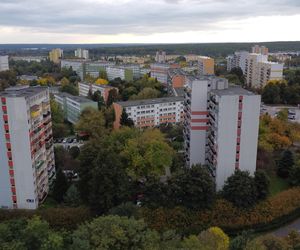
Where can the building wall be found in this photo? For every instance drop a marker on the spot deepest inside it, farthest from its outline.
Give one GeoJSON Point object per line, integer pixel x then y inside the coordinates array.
{"type": "Point", "coordinates": [206, 66]}
{"type": "Point", "coordinates": [178, 81]}
{"type": "Point", "coordinates": [4, 63]}
{"type": "Point", "coordinates": [118, 112]}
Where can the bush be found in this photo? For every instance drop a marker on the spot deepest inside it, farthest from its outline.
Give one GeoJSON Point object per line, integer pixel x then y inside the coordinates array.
{"type": "Point", "coordinates": [266, 215]}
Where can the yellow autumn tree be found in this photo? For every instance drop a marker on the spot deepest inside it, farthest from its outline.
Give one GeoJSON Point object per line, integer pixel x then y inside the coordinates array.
{"type": "Point", "coordinates": [101, 81]}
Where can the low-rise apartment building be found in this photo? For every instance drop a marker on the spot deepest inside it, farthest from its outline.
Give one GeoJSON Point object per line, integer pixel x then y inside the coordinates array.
{"type": "Point", "coordinates": [206, 65]}
{"type": "Point", "coordinates": [72, 106]}
{"type": "Point", "coordinates": [88, 88]}
{"type": "Point", "coordinates": [150, 112]}
{"type": "Point", "coordinates": [159, 71]}
{"type": "Point", "coordinates": [27, 166]}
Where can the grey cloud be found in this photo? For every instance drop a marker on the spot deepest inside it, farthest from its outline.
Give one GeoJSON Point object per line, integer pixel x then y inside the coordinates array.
{"type": "Point", "coordinates": [134, 16]}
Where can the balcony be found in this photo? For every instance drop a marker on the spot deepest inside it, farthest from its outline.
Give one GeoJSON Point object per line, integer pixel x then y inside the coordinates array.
{"type": "Point", "coordinates": [39, 164]}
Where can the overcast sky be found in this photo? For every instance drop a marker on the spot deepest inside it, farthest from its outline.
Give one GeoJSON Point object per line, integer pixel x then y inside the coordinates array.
{"type": "Point", "coordinates": [148, 21]}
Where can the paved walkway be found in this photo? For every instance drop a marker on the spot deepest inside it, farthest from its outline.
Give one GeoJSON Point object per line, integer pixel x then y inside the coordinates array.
{"type": "Point", "coordinates": [283, 231]}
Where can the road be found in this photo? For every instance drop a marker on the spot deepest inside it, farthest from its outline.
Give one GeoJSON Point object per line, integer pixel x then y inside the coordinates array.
{"type": "Point", "coordinates": [283, 231]}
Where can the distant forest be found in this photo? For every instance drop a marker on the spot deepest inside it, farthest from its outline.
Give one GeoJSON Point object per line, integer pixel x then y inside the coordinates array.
{"type": "Point", "coordinates": [96, 50]}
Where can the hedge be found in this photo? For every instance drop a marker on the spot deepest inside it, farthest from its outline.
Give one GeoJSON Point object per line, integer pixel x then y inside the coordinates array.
{"type": "Point", "coordinates": [58, 218]}
{"type": "Point", "coordinates": [267, 215]}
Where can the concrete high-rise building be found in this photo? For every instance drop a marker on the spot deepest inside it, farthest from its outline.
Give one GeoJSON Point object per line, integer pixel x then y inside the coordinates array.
{"type": "Point", "coordinates": [238, 60]}
{"type": "Point", "coordinates": [27, 165]}
{"type": "Point", "coordinates": [233, 132]}
{"type": "Point", "coordinates": [122, 72]}
{"type": "Point", "coordinates": [4, 63]}
{"type": "Point", "coordinates": [259, 70]}
{"type": "Point", "coordinates": [260, 50]}
{"type": "Point", "coordinates": [82, 53]}
{"type": "Point", "coordinates": [55, 55]}
{"type": "Point", "coordinates": [160, 56]}
{"type": "Point", "coordinates": [197, 116]}
{"type": "Point", "coordinates": [219, 122]}
{"type": "Point", "coordinates": [206, 65]}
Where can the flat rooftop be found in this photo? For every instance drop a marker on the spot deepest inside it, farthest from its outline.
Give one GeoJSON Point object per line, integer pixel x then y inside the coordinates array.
{"type": "Point", "coordinates": [232, 90]}
{"type": "Point", "coordinates": [22, 91]}
{"type": "Point", "coordinates": [79, 99]}
{"type": "Point", "coordinates": [151, 101]}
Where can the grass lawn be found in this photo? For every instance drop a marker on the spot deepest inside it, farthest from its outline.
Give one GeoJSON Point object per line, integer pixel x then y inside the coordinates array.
{"type": "Point", "coordinates": [277, 185]}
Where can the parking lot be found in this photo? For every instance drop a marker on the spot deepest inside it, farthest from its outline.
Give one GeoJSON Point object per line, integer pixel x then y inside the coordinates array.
{"type": "Point", "coordinates": [68, 142]}
{"type": "Point", "coordinates": [273, 110]}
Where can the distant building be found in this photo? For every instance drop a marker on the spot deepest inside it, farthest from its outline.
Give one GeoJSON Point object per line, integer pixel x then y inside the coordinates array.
{"type": "Point", "coordinates": [206, 65]}
{"type": "Point", "coordinates": [55, 55]}
{"type": "Point", "coordinates": [28, 78]}
{"type": "Point", "coordinates": [160, 56]}
{"type": "Point", "coordinates": [29, 58]}
{"type": "Point", "coordinates": [72, 106]}
{"type": "Point", "coordinates": [159, 71]}
{"type": "Point", "coordinates": [77, 65]}
{"type": "Point", "coordinates": [176, 78]}
{"type": "Point", "coordinates": [4, 63]}
{"type": "Point", "coordinates": [127, 73]}
{"type": "Point", "coordinates": [259, 70]}
{"type": "Point", "coordinates": [27, 167]}
{"type": "Point", "coordinates": [82, 53]}
{"type": "Point", "coordinates": [260, 50]}
{"type": "Point", "coordinates": [150, 112]}
{"type": "Point", "coordinates": [86, 88]}
{"type": "Point", "coordinates": [238, 60]}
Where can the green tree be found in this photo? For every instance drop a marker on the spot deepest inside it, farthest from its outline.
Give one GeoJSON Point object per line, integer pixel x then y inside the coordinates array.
{"type": "Point", "coordinates": [262, 183]}
{"type": "Point", "coordinates": [97, 97]}
{"type": "Point", "coordinates": [285, 164]}
{"type": "Point", "coordinates": [295, 176]}
{"type": "Point", "coordinates": [125, 120]}
{"type": "Point", "coordinates": [148, 154]}
{"type": "Point", "coordinates": [74, 152]}
{"type": "Point", "coordinates": [268, 242]}
{"type": "Point", "coordinates": [69, 88]}
{"type": "Point", "coordinates": [91, 122]}
{"type": "Point", "coordinates": [240, 189]}
{"type": "Point", "coordinates": [271, 94]}
{"type": "Point", "coordinates": [114, 232]}
{"type": "Point", "coordinates": [72, 196]}
{"type": "Point", "coordinates": [60, 186]}
{"type": "Point", "coordinates": [192, 188]}
{"type": "Point", "coordinates": [112, 97]}
{"type": "Point", "coordinates": [103, 74]}
{"type": "Point", "coordinates": [146, 93]}
{"type": "Point", "coordinates": [240, 241]}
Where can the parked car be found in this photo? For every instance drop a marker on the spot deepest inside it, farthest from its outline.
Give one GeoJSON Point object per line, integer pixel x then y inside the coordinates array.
{"type": "Point", "coordinates": [64, 140]}
{"type": "Point", "coordinates": [69, 140]}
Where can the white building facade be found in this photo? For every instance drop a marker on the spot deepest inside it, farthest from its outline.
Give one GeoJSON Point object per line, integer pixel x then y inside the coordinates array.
{"type": "Point", "coordinates": [82, 53]}
{"type": "Point", "coordinates": [27, 165]}
{"type": "Point", "coordinates": [4, 63]}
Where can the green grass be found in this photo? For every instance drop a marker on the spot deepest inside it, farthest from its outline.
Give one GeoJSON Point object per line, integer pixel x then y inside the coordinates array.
{"type": "Point", "coordinates": [277, 185]}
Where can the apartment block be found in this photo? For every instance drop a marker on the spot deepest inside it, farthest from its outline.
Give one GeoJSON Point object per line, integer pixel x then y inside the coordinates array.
{"type": "Point", "coordinates": [197, 116]}
{"type": "Point", "coordinates": [160, 57]}
{"type": "Point", "coordinates": [232, 134]}
{"type": "Point", "coordinates": [259, 70]}
{"type": "Point", "coordinates": [94, 68]}
{"type": "Point", "coordinates": [159, 71]}
{"type": "Point", "coordinates": [77, 65]}
{"type": "Point", "coordinates": [55, 55]}
{"type": "Point", "coordinates": [176, 78]}
{"type": "Point", "coordinates": [206, 65]}
{"type": "Point", "coordinates": [125, 73]}
{"type": "Point", "coordinates": [82, 53]}
{"type": "Point", "coordinates": [86, 88]}
{"type": "Point", "coordinates": [260, 50]}
{"type": "Point", "coordinates": [4, 63]}
{"type": "Point", "coordinates": [72, 106]}
{"type": "Point", "coordinates": [151, 112]}
{"type": "Point", "coordinates": [238, 60]}
{"type": "Point", "coordinates": [27, 166]}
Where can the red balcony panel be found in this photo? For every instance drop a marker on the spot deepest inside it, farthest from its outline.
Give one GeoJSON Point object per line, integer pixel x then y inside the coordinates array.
{"type": "Point", "coordinates": [199, 112]}
{"type": "Point", "coordinates": [10, 163]}
{"type": "Point", "coordinates": [239, 123]}
{"type": "Point", "coordinates": [14, 198]}
{"type": "Point", "coordinates": [239, 132]}
{"type": "Point", "coordinates": [241, 97]}
{"type": "Point", "coordinates": [3, 100]}
{"type": "Point", "coordinates": [240, 114]}
{"type": "Point", "coordinates": [237, 166]}
{"type": "Point", "coordinates": [7, 136]}
{"type": "Point", "coordinates": [200, 120]}
{"type": "Point", "coordinates": [238, 140]}
{"type": "Point", "coordinates": [6, 127]}
{"type": "Point", "coordinates": [4, 108]}
{"type": "Point", "coordinates": [11, 172]}
{"type": "Point", "coordinates": [9, 154]}
{"type": "Point", "coordinates": [237, 156]}
{"type": "Point", "coordinates": [8, 146]}
{"type": "Point", "coordinates": [238, 148]}
{"type": "Point", "coordinates": [13, 190]}
{"type": "Point", "coordinates": [203, 128]}
{"type": "Point", "coordinates": [240, 106]}
{"type": "Point", "coordinates": [5, 118]}
{"type": "Point", "coordinates": [12, 181]}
